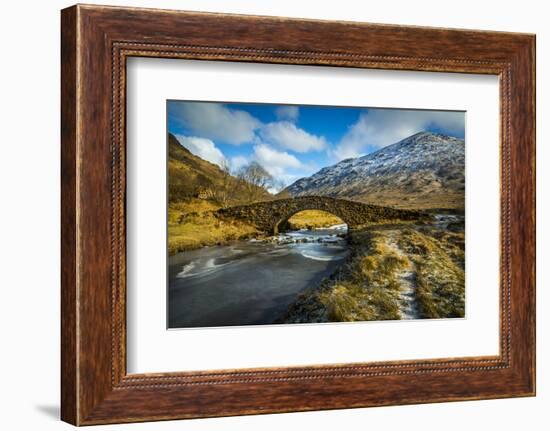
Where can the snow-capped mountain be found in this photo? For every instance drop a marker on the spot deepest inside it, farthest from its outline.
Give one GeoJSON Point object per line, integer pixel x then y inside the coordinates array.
{"type": "Point", "coordinates": [423, 170]}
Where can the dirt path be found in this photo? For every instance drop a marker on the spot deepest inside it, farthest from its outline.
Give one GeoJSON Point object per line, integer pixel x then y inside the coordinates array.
{"type": "Point", "coordinates": [407, 278]}
{"type": "Point", "coordinates": [410, 309]}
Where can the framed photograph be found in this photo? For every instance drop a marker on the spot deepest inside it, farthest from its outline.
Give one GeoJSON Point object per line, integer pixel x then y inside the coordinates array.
{"type": "Point", "coordinates": [265, 215]}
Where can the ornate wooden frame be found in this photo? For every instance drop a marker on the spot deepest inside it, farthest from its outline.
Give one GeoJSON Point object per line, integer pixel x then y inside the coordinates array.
{"type": "Point", "coordinates": [96, 41]}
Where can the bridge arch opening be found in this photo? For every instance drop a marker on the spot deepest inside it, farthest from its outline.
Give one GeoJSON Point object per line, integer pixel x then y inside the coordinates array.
{"type": "Point", "coordinates": [309, 219]}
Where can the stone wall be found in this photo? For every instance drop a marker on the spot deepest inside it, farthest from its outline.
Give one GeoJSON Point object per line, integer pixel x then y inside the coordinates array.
{"type": "Point", "coordinates": [269, 215]}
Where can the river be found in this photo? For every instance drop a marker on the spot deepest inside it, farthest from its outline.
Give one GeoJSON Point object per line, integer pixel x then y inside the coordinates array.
{"type": "Point", "coordinates": [250, 282]}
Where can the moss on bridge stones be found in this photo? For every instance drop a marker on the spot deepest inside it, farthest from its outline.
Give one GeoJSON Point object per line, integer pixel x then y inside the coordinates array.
{"type": "Point", "coordinates": [269, 215]}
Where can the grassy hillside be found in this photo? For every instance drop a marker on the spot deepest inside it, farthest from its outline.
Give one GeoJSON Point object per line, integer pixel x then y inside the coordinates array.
{"type": "Point", "coordinates": [189, 176]}
{"type": "Point", "coordinates": [193, 224]}
{"type": "Point", "coordinates": [187, 173]}
{"type": "Point", "coordinates": [196, 189]}
{"type": "Point", "coordinates": [415, 201]}
{"type": "Point", "coordinates": [311, 219]}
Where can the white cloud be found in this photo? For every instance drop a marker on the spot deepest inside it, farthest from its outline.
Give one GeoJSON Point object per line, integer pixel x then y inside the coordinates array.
{"type": "Point", "coordinates": [380, 127]}
{"type": "Point", "coordinates": [215, 121]}
{"type": "Point", "coordinates": [203, 148]}
{"type": "Point", "coordinates": [285, 134]}
{"type": "Point", "coordinates": [284, 167]}
{"type": "Point", "coordinates": [275, 162]}
{"type": "Point", "coordinates": [287, 112]}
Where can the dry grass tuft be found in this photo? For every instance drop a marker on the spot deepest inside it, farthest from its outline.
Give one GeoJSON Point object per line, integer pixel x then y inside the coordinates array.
{"type": "Point", "coordinates": [311, 219]}
{"type": "Point", "coordinates": [440, 279]}
{"type": "Point", "coordinates": [192, 224]}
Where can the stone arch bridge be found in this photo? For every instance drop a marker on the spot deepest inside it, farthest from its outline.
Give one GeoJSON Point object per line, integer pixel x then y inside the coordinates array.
{"type": "Point", "coordinates": [270, 216]}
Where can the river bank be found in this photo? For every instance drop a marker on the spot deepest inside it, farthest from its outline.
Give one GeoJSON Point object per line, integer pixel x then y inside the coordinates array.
{"type": "Point", "coordinates": [393, 272]}
{"type": "Point", "coordinates": [194, 224]}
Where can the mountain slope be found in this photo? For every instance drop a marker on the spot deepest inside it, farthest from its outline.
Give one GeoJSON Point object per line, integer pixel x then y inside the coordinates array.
{"type": "Point", "coordinates": [187, 173]}
{"type": "Point", "coordinates": [189, 176]}
{"type": "Point", "coordinates": [425, 170]}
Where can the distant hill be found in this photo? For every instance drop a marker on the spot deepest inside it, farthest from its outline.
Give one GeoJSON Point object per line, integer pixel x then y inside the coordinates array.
{"type": "Point", "coordinates": [192, 177]}
{"type": "Point", "coordinates": [425, 170]}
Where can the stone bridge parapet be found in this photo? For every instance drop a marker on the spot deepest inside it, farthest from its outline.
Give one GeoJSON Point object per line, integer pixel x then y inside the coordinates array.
{"type": "Point", "coordinates": [269, 216]}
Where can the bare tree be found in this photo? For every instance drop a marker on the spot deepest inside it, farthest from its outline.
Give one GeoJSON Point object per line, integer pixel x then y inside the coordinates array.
{"type": "Point", "coordinates": [223, 194]}
{"type": "Point", "coordinates": [256, 180]}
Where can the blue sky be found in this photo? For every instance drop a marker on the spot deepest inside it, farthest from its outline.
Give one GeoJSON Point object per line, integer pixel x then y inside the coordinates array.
{"type": "Point", "coordinates": [291, 141]}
